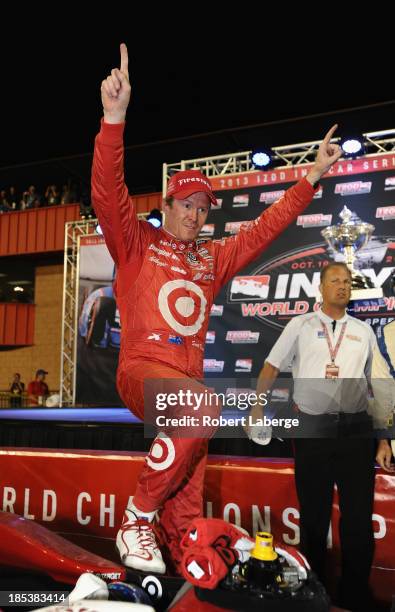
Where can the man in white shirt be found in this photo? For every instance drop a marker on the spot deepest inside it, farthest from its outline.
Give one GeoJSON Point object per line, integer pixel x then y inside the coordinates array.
{"type": "Point", "coordinates": [331, 355]}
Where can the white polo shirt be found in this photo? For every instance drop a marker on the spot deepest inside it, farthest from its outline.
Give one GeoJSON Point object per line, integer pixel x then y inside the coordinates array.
{"type": "Point", "coordinates": [303, 346]}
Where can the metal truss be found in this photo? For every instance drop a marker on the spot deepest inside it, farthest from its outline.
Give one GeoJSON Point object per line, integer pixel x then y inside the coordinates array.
{"type": "Point", "coordinates": [68, 364]}
{"type": "Point", "coordinates": [73, 231]}
{"type": "Point", "coordinates": [376, 143]}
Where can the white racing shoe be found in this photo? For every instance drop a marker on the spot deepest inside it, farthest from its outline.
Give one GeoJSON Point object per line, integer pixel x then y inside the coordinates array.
{"type": "Point", "coordinates": [136, 543]}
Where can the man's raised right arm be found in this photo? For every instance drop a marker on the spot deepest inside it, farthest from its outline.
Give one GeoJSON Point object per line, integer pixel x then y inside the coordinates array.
{"type": "Point", "coordinates": [110, 197]}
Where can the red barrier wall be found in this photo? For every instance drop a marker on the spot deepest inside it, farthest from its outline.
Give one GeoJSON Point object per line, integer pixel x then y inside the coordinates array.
{"type": "Point", "coordinates": [82, 494]}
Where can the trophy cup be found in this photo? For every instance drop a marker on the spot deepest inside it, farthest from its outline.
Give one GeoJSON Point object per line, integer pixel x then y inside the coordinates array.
{"type": "Point", "coordinates": [346, 238]}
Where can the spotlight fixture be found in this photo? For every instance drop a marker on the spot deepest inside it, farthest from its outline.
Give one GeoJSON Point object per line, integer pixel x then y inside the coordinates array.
{"type": "Point", "coordinates": [155, 218]}
{"type": "Point", "coordinates": [352, 146]}
{"type": "Point", "coordinates": [262, 158]}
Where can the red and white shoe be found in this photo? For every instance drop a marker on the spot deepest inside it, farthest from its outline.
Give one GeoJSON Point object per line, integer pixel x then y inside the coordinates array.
{"type": "Point", "coordinates": [137, 546]}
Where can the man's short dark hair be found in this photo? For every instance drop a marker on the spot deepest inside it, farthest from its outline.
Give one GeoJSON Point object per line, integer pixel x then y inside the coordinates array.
{"type": "Point", "coordinates": [334, 264]}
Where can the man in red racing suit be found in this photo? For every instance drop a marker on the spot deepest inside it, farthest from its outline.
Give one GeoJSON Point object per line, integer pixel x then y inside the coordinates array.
{"type": "Point", "coordinates": [165, 285]}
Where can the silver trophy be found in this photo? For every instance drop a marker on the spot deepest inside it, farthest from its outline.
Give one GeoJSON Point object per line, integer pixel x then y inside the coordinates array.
{"type": "Point", "coordinates": [346, 238]}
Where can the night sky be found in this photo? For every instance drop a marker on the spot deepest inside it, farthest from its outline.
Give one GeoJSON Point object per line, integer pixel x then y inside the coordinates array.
{"type": "Point", "coordinates": [195, 81]}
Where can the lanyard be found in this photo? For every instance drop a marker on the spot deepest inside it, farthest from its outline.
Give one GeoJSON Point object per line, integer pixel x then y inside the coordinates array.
{"type": "Point", "coordinates": [334, 351]}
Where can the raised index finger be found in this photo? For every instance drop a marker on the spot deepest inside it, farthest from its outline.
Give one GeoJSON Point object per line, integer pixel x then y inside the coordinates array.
{"type": "Point", "coordinates": [124, 59]}
{"type": "Point", "coordinates": [329, 134]}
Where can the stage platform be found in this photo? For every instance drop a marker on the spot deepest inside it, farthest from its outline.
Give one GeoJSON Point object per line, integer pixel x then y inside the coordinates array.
{"type": "Point", "coordinates": [107, 428]}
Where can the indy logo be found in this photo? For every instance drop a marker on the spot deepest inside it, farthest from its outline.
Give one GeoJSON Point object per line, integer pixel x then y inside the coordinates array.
{"type": "Point", "coordinates": [389, 183]}
{"type": "Point", "coordinates": [210, 337]}
{"type": "Point", "coordinates": [233, 227]}
{"type": "Point", "coordinates": [243, 365]}
{"type": "Point", "coordinates": [316, 220]}
{"type": "Point", "coordinates": [268, 197]}
{"type": "Point", "coordinates": [207, 230]}
{"type": "Point", "coordinates": [386, 213]}
{"type": "Point", "coordinates": [243, 287]}
{"type": "Point", "coordinates": [353, 188]}
{"type": "Point", "coordinates": [217, 310]}
{"type": "Point", "coordinates": [240, 200]}
{"type": "Point", "coordinates": [212, 365]}
{"type": "Point", "coordinates": [242, 337]}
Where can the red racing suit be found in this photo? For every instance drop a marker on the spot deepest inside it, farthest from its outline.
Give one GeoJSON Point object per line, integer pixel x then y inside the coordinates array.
{"type": "Point", "coordinates": [165, 289]}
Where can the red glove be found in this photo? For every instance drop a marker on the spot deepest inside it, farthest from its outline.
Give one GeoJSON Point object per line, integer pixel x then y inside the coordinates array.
{"type": "Point", "coordinates": [216, 532]}
{"type": "Point", "coordinates": [205, 566]}
{"type": "Point", "coordinates": [211, 548]}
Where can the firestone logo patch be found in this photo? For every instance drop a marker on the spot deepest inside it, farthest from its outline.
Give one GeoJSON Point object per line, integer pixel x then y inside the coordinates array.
{"type": "Point", "coordinates": [194, 179]}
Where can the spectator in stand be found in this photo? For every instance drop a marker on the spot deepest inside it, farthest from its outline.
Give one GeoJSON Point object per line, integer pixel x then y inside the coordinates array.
{"type": "Point", "coordinates": [4, 204]}
{"type": "Point", "coordinates": [13, 198]}
{"type": "Point", "coordinates": [30, 199]}
{"type": "Point", "coordinates": [52, 195]}
{"type": "Point", "coordinates": [65, 196]}
{"type": "Point", "coordinates": [16, 390]}
{"type": "Point", "coordinates": [38, 389]}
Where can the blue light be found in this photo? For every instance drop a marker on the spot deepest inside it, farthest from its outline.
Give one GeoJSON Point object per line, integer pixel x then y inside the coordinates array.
{"type": "Point", "coordinates": [351, 146]}
{"type": "Point", "coordinates": [155, 218]}
{"type": "Point", "coordinates": [155, 222]}
{"type": "Point", "coordinates": [260, 159]}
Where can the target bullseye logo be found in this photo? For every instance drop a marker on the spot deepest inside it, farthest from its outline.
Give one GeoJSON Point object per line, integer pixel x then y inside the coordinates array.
{"type": "Point", "coordinates": [184, 305]}
{"type": "Point", "coordinates": [153, 587]}
{"type": "Point", "coordinates": [162, 453]}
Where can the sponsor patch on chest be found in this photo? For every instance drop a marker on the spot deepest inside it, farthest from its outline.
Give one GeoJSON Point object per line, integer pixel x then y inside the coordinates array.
{"type": "Point", "coordinates": [354, 338]}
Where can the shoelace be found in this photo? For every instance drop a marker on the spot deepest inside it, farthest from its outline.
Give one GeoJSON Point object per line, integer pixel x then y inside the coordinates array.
{"type": "Point", "coordinates": [146, 537]}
